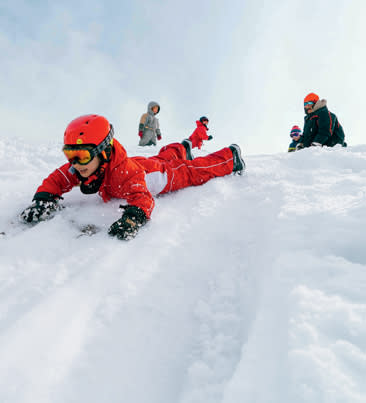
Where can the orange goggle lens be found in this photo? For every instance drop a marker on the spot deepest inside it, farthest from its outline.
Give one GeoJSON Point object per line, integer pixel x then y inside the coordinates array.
{"type": "Point", "coordinates": [81, 156]}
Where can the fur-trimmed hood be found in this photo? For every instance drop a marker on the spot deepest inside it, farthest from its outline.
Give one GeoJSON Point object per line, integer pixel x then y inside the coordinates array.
{"type": "Point", "coordinates": [320, 104]}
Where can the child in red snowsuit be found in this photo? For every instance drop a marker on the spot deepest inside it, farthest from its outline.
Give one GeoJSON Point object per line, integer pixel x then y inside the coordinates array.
{"type": "Point", "coordinates": [200, 133]}
{"type": "Point", "coordinates": [99, 163]}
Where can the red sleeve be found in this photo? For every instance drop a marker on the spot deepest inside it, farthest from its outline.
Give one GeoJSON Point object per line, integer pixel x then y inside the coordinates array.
{"type": "Point", "coordinates": [60, 181]}
{"type": "Point", "coordinates": [195, 138]}
{"type": "Point", "coordinates": [203, 134]}
{"type": "Point", "coordinates": [136, 193]}
{"type": "Point", "coordinates": [127, 181]}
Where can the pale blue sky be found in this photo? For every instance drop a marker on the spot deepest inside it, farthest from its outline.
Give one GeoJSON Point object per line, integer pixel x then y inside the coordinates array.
{"type": "Point", "coordinates": [247, 65]}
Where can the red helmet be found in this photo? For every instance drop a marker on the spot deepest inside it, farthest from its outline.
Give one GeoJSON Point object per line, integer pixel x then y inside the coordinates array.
{"type": "Point", "coordinates": [89, 129]}
{"type": "Point", "coordinates": [311, 98]}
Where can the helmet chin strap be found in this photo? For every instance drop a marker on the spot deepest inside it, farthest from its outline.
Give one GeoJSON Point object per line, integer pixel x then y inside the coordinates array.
{"type": "Point", "coordinates": [105, 155]}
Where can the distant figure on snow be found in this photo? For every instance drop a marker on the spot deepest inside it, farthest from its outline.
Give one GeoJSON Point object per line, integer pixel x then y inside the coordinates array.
{"type": "Point", "coordinates": [321, 127]}
{"type": "Point", "coordinates": [295, 134]}
{"type": "Point", "coordinates": [149, 130]}
{"type": "Point", "coordinates": [200, 133]}
{"type": "Point", "coordinates": [97, 162]}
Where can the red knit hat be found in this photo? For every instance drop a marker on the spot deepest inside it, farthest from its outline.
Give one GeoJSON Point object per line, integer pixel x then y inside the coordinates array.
{"type": "Point", "coordinates": [311, 98]}
{"type": "Point", "coordinates": [295, 131]}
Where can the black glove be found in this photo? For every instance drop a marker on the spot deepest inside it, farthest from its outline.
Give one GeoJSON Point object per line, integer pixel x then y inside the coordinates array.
{"type": "Point", "coordinates": [127, 226]}
{"type": "Point", "coordinates": [210, 138]}
{"type": "Point", "coordinates": [43, 208]}
{"type": "Point", "coordinates": [300, 146]}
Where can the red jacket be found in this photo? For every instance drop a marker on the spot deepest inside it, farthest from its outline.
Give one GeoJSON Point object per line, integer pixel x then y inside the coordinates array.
{"type": "Point", "coordinates": [199, 135]}
{"type": "Point", "coordinates": [124, 179]}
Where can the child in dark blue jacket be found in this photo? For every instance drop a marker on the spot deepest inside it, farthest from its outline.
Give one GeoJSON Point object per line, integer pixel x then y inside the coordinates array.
{"type": "Point", "coordinates": [295, 134]}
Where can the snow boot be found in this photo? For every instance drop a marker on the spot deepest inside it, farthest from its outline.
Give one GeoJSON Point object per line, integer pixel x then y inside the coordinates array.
{"type": "Point", "coordinates": [238, 162]}
{"type": "Point", "coordinates": [188, 146]}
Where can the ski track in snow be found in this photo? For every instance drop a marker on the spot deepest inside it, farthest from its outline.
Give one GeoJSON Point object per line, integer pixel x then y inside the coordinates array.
{"type": "Point", "coordinates": [247, 288]}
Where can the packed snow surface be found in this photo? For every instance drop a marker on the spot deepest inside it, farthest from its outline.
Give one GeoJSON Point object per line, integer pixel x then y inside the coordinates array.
{"type": "Point", "coordinates": [246, 289]}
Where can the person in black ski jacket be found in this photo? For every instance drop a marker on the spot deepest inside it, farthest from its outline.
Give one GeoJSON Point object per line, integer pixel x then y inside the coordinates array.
{"type": "Point", "coordinates": [321, 127]}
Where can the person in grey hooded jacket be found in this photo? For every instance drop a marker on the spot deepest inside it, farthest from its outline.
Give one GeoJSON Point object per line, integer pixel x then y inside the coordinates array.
{"type": "Point", "coordinates": [149, 130]}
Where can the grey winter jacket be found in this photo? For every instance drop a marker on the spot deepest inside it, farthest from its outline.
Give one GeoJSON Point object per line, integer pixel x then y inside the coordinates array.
{"type": "Point", "coordinates": [149, 126]}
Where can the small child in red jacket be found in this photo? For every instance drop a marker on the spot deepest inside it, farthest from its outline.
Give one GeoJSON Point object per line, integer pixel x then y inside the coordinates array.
{"type": "Point", "coordinates": [200, 133]}
{"type": "Point", "coordinates": [97, 162]}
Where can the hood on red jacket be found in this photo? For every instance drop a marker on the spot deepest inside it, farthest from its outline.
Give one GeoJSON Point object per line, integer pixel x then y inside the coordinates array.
{"type": "Point", "coordinates": [200, 124]}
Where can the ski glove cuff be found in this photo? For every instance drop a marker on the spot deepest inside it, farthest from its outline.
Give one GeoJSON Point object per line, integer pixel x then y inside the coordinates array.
{"type": "Point", "coordinates": [45, 196]}
{"type": "Point", "coordinates": [127, 226]}
{"type": "Point", "coordinates": [141, 130]}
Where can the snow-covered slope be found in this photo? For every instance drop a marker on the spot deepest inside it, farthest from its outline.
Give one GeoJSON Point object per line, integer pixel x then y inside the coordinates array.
{"type": "Point", "coordinates": [246, 289]}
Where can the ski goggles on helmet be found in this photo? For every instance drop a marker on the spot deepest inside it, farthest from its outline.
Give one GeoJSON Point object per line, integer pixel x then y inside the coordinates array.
{"type": "Point", "coordinates": [309, 103]}
{"type": "Point", "coordinates": [82, 154]}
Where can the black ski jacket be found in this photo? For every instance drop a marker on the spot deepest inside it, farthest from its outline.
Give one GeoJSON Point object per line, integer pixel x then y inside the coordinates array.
{"type": "Point", "coordinates": [322, 126]}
